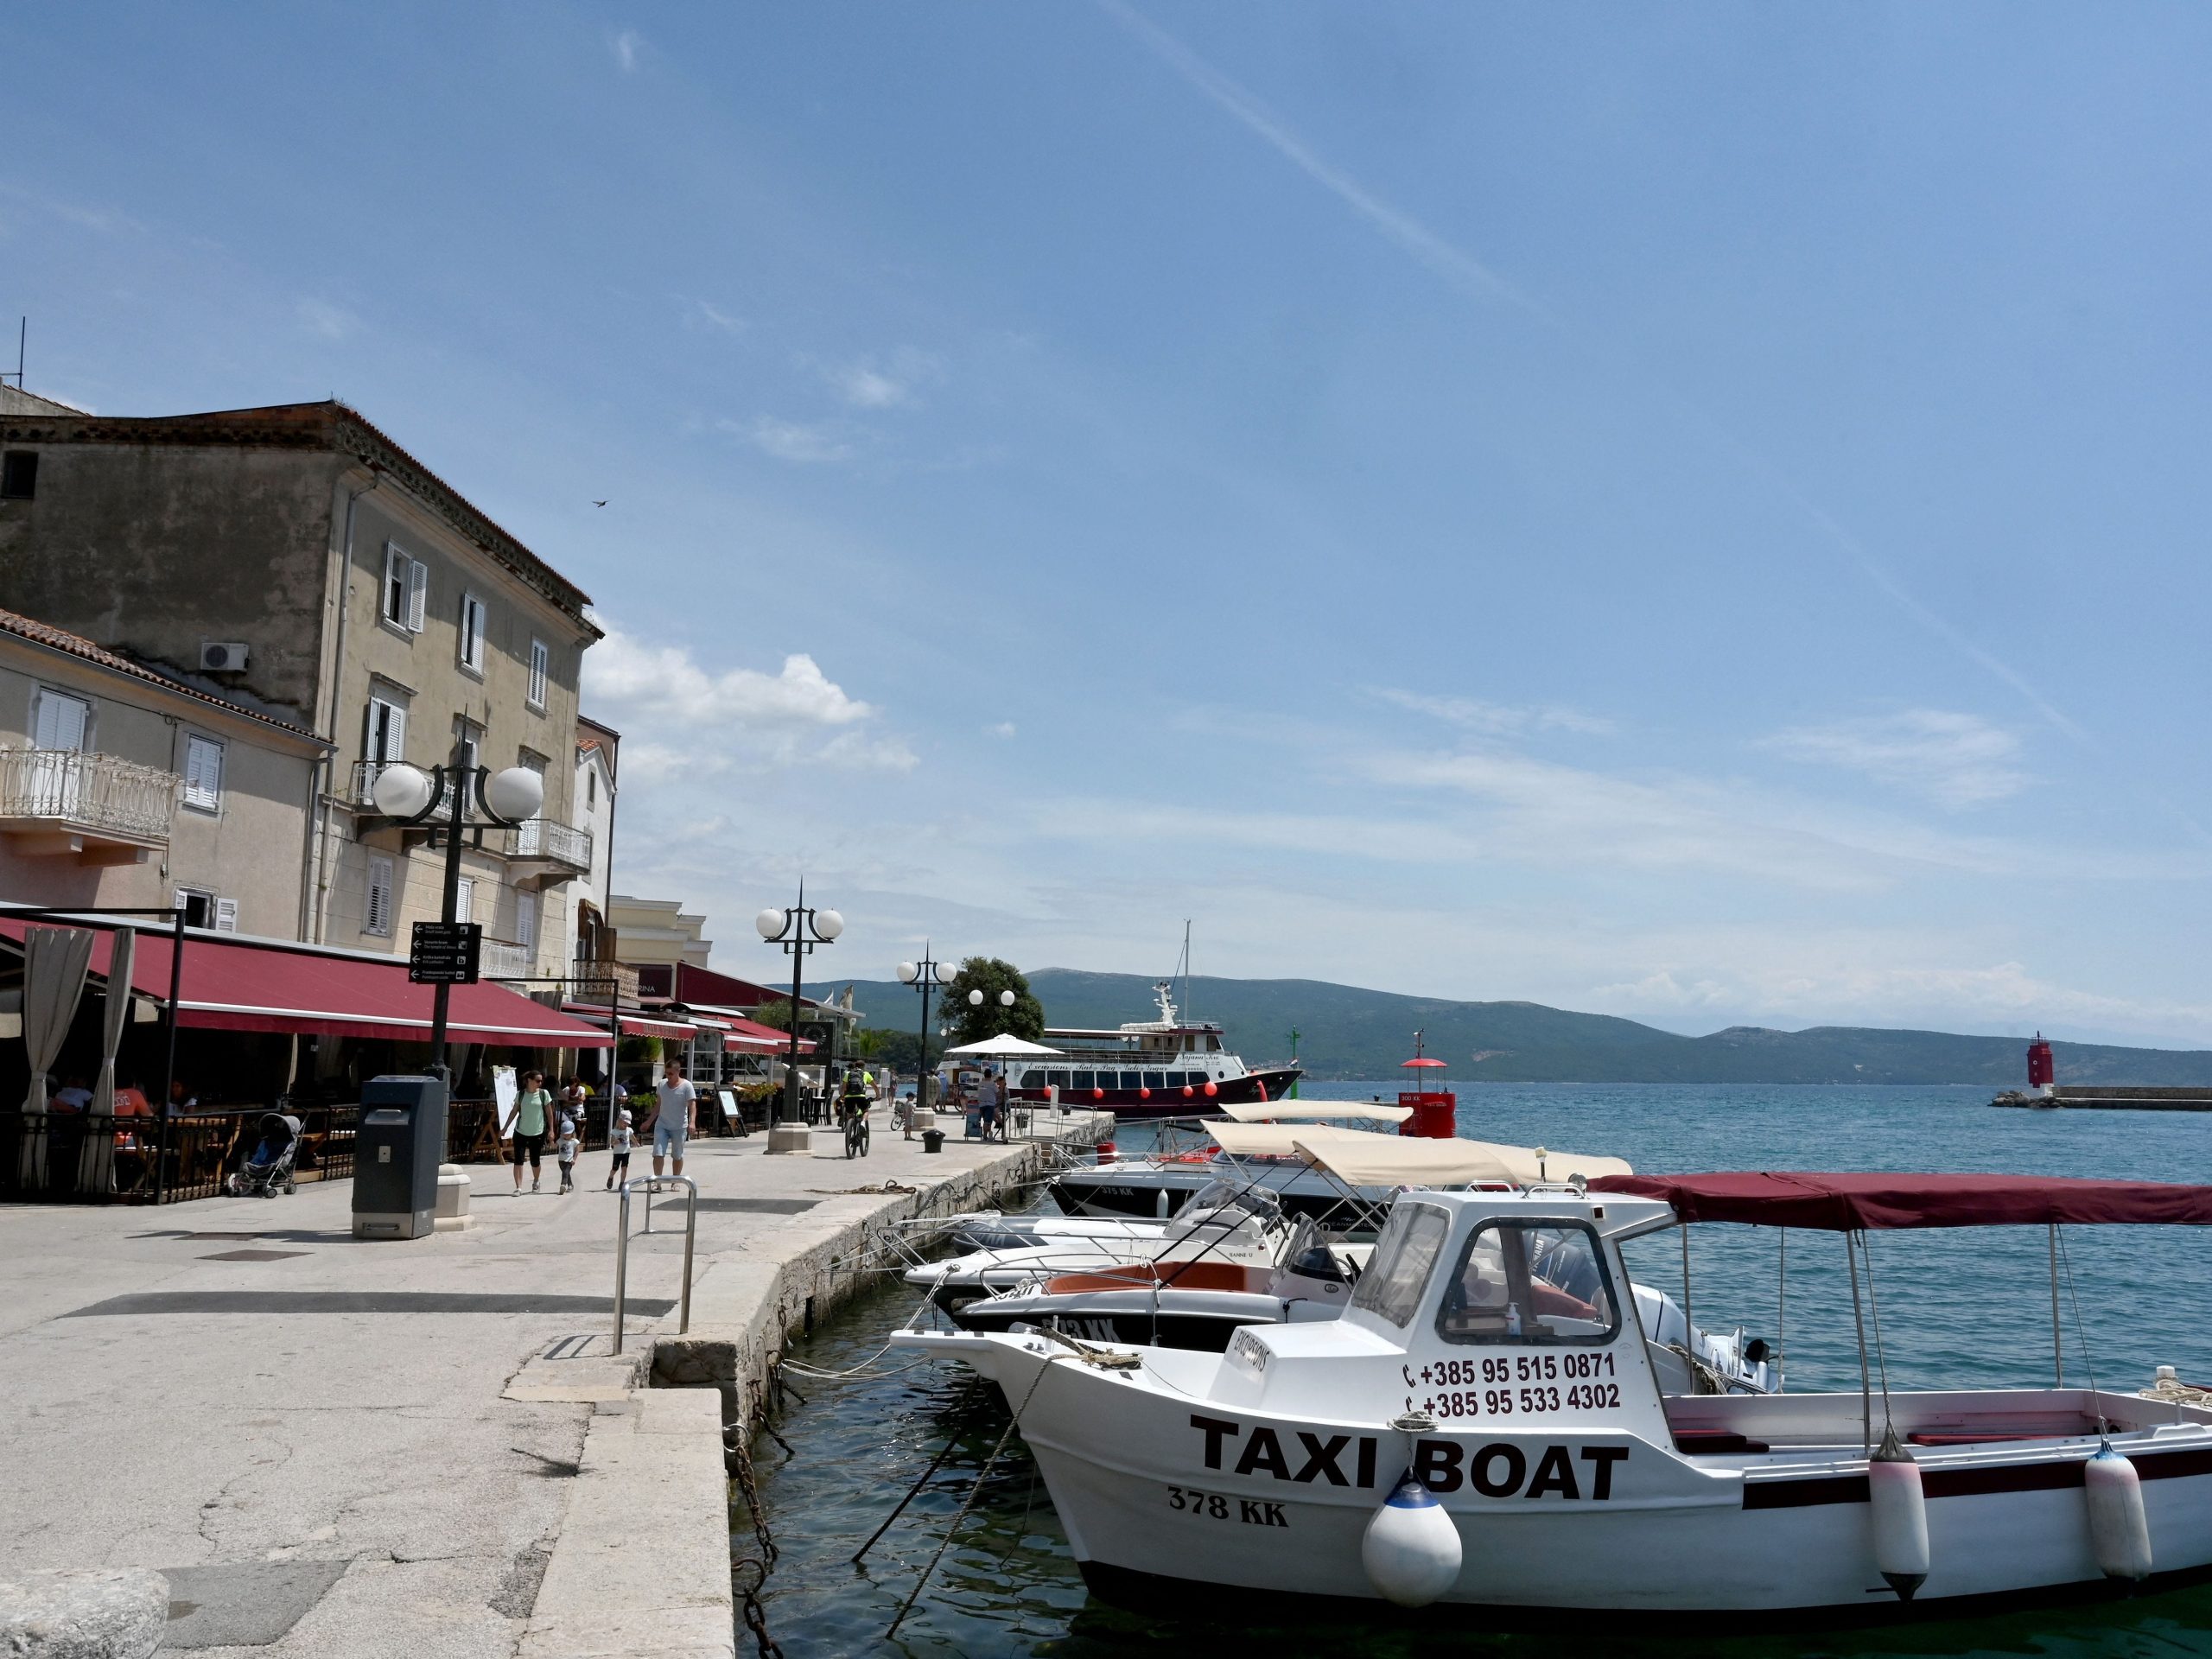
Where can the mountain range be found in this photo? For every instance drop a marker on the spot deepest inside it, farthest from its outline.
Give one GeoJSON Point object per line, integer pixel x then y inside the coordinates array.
{"type": "Point", "coordinates": [1347, 1033]}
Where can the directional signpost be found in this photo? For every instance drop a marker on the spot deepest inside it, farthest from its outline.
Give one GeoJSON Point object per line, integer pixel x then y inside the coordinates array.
{"type": "Point", "coordinates": [445, 953]}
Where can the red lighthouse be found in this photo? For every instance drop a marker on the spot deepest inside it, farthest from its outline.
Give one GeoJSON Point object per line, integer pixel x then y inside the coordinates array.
{"type": "Point", "coordinates": [1435, 1109]}
{"type": "Point", "coordinates": [2041, 1072]}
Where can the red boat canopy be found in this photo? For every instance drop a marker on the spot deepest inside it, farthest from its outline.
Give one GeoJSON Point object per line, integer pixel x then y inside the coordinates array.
{"type": "Point", "coordinates": [1843, 1204]}
{"type": "Point", "coordinates": [270, 987]}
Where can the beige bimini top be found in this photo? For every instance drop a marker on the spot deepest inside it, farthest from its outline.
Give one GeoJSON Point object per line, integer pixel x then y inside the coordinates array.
{"type": "Point", "coordinates": [1404, 1161]}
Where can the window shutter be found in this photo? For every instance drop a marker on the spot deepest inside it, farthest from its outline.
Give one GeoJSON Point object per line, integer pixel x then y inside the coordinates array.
{"type": "Point", "coordinates": [226, 915]}
{"type": "Point", "coordinates": [418, 584]}
{"type": "Point", "coordinates": [376, 914]}
{"type": "Point", "coordinates": [465, 900]}
{"type": "Point", "coordinates": [62, 721]}
{"type": "Point", "coordinates": [181, 895]}
{"type": "Point", "coordinates": [203, 772]}
{"type": "Point", "coordinates": [526, 920]}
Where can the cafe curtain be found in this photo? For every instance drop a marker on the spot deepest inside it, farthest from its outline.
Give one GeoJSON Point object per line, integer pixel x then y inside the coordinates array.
{"type": "Point", "coordinates": [96, 1163]}
{"type": "Point", "coordinates": [55, 960]}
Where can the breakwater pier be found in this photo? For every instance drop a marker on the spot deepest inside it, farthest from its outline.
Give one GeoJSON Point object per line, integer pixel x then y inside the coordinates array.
{"type": "Point", "coordinates": [2121, 1097]}
{"type": "Point", "coordinates": [342, 1447]}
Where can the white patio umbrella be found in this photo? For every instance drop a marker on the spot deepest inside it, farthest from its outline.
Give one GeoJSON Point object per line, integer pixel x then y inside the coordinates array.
{"type": "Point", "coordinates": [1001, 1047]}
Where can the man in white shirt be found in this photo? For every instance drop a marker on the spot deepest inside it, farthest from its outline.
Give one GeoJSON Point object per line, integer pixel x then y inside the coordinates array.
{"type": "Point", "coordinates": [675, 1118]}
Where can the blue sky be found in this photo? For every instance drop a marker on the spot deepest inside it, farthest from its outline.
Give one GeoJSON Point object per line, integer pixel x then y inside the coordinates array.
{"type": "Point", "coordinates": [1694, 513]}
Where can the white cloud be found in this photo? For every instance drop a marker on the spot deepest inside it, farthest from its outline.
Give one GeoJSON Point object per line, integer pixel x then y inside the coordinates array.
{"type": "Point", "coordinates": [869, 384]}
{"type": "Point", "coordinates": [680, 719]}
{"type": "Point", "coordinates": [625, 50]}
{"type": "Point", "coordinates": [1497, 718]}
{"type": "Point", "coordinates": [1004, 728]}
{"type": "Point", "coordinates": [1953, 760]}
{"type": "Point", "coordinates": [714, 317]}
{"type": "Point", "coordinates": [1819, 982]}
{"type": "Point", "coordinates": [330, 321]}
{"type": "Point", "coordinates": [667, 683]}
{"type": "Point", "coordinates": [793, 441]}
{"type": "Point", "coordinates": [1540, 812]}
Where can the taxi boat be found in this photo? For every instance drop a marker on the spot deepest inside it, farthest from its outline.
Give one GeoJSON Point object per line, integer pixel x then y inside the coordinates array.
{"type": "Point", "coordinates": [1488, 1423]}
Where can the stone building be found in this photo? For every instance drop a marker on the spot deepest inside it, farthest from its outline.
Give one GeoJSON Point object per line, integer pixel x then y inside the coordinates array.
{"type": "Point", "coordinates": [299, 560]}
{"type": "Point", "coordinates": [121, 786]}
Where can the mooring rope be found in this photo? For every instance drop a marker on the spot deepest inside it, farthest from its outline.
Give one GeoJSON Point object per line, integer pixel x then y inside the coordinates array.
{"type": "Point", "coordinates": [968, 1501]}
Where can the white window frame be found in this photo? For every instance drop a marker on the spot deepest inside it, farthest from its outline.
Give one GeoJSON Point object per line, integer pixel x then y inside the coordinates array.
{"type": "Point", "coordinates": [541, 664]}
{"type": "Point", "coordinates": [47, 695]}
{"type": "Point", "coordinates": [377, 919]}
{"type": "Point", "coordinates": [406, 580]}
{"type": "Point", "coordinates": [473, 617]}
{"type": "Point", "coordinates": [201, 793]}
{"type": "Point", "coordinates": [526, 920]}
{"type": "Point", "coordinates": [464, 901]}
{"type": "Point", "coordinates": [211, 908]}
{"type": "Point", "coordinates": [373, 750]}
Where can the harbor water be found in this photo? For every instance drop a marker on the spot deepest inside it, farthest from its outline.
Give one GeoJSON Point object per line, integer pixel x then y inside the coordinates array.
{"type": "Point", "coordinates": [1968, 1308]}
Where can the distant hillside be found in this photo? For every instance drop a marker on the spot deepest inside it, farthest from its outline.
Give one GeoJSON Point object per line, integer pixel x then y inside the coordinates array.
{"type": "Point", "coordinates": [1351, 1032]}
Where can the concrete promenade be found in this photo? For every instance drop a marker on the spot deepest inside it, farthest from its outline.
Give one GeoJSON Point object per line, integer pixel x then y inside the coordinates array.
{"type": "Point", "coordinates": [426, 1448]}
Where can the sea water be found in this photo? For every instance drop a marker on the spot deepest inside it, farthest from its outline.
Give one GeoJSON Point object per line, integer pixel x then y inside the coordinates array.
{"type": "Point", "coordinates": [1967, 1308]}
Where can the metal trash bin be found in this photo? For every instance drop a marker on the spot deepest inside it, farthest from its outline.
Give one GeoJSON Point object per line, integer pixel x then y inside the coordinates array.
{"type": "Point", "coordinates": [933, 1140]}
{"type": "Point", "coordinates": [397, 1152]}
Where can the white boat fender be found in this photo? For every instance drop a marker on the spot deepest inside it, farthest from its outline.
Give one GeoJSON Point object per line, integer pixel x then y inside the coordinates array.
{"type": "Point", "coordinates": [1159, 1204]}
{"type": "Point", "coordinates": [2119, 1531]}
{"type": "Point", "coordinates": [1900, 1517]}
{"type": "Point", "coordinates": [1410, 1549]}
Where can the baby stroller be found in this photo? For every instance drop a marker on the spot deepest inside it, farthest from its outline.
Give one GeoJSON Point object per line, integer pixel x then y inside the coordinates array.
{"type": "Point", "coordinates": [268, 1167]}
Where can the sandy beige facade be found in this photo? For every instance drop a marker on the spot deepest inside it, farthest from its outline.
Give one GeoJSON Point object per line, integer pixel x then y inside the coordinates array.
{"type": "Point", "coordinates": [353, 592]}
{"type": "Point", "coordinates": [101, 812]}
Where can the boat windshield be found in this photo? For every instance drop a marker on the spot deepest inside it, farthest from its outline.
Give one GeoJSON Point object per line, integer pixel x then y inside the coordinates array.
{"type": "Point", "coordinates": [1530, 1282]}
{"type": "Point", "coordinates": [1404, 1256]}
{"type": "Point", "coordinates": [1238, 1200]}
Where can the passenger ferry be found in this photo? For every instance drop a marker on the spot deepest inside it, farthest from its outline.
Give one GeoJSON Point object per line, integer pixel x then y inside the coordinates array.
{"type": "Point", "coordinates": [1168, 1067]}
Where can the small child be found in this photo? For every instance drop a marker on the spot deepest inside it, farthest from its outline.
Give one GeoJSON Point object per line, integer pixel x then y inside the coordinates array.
{"type": "Point", "coordinates": [618, 1142]}
{"type": "Point", "coordinates": [565, 1149]}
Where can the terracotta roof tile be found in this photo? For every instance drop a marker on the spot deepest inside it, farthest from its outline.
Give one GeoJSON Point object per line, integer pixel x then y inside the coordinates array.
{"type": "Point", "coordinates": [60, 639]}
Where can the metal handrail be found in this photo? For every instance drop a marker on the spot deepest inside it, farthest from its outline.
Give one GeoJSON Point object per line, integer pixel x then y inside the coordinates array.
{"type": "Point", "coordinates": [650, 1184]}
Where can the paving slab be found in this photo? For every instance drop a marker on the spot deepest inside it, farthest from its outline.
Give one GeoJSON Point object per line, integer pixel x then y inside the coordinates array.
{"type": "Point", "coordinates": [348, 1447]}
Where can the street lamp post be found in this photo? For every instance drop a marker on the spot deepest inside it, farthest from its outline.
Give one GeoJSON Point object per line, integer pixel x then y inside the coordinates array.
{"type": "Point", "coordinates": [799, 930]}
{"type": "Point", "coordinates": [922, 975]}
{"type": "Point", "coordinates": [414, 796]}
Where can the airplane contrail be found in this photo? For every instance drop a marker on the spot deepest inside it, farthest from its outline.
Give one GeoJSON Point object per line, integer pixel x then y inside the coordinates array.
{"type": "Point", "coordinates": [1470, 274]}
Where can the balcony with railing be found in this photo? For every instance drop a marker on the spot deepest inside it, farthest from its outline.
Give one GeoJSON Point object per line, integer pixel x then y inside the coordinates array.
{"type": "Point", "coordinates": [94, 807]}
{"type": "Point", "coordinates": [557, 848]}
{"type": "Point", "coordinates": [505, 959]}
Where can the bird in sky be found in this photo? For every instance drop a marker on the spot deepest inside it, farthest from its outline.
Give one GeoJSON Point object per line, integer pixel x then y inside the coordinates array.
{"type": "Point", "coordinates": [599, 504]}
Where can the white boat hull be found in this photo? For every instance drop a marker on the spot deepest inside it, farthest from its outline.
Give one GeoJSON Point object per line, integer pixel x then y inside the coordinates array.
{"type": "Point", "coordinates": [1165, 1493]}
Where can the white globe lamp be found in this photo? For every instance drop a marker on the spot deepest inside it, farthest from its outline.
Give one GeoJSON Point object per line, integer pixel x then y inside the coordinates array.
{"type": "Point", "coordinates": [946, 973]}
{"type": "Point", "coordinates": [770, 922]}
{"type": "Point", "coordinates": [515, 794]}
{"type": "Point", "coordinates": [908, 973]}
{"type": "Point", "coordinates": [400, 791]}
{"type": "Point", "coordinates": [975, 999]}
{"type": "Point", "coordinates": [1006, 999]}
{"type": "Point", "coordinates": [828, 923]}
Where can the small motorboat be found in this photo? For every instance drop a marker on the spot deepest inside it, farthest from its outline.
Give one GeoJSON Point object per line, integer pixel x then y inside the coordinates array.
{"type": "Point", "coordinates": [1228, 1223]}
{"type": "Point", "coordinates": [1489, 1424]}
{"type": "Point", "coordinates": [1200, 1303]}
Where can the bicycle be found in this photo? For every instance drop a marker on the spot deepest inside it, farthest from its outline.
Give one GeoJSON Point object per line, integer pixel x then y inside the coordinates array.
{"type": "Point", "coordinates": [855, 1115]}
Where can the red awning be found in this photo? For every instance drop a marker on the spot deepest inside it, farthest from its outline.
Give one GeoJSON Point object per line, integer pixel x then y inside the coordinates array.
{"type": "Point", "coordinates": [239, 986]}
{"type": "Point", "coordinates": [633, 1024]}
{"type": "Point", "coordinates": [1843, 1204]}
{"type": "Point", "coordinates": [748, 1037]}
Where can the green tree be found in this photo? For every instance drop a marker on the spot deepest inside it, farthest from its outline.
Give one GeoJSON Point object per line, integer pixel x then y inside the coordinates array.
{"type": "Point", "coordinates": [776, 1015]}
{"type": "Point", "coordinates": [970, 1023]}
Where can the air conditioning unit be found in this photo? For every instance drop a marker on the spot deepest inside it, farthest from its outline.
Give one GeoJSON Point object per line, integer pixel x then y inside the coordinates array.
{"type": "Point", "coordinates": [221, 656]}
